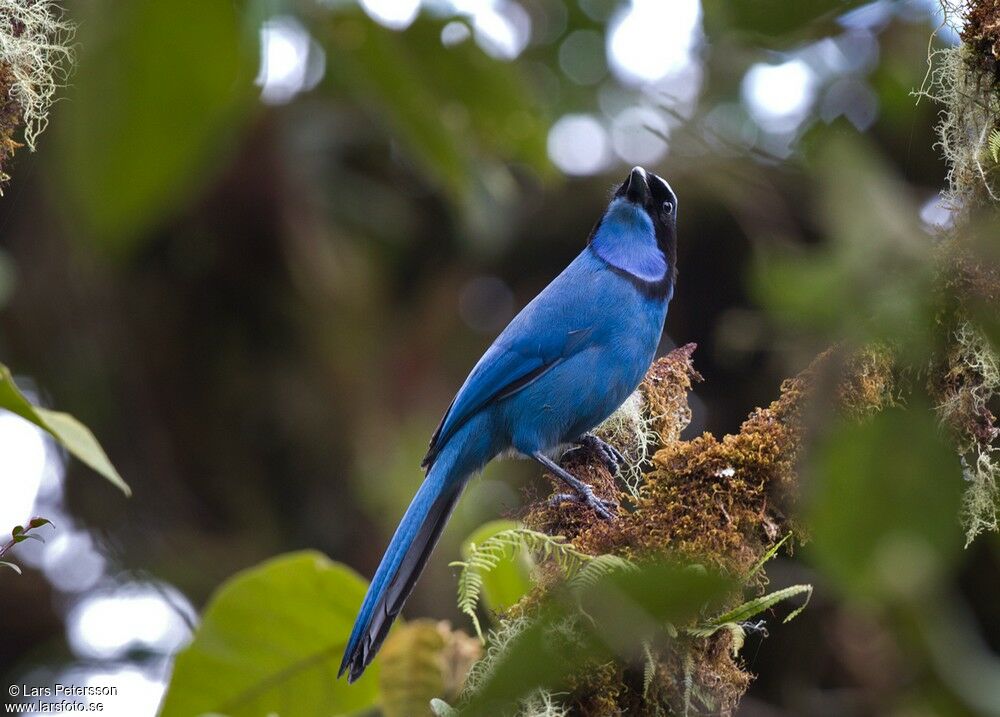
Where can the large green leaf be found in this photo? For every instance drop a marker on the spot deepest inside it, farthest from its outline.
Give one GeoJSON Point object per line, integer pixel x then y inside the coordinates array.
{"type": "Point", "coordinates": [160, 88]}
{"type": "Point", "coordinates": [884, 503]}
{"type": "Point", "coordinates": [270, 643]}
{"type": "Point", "coordinates": [69, 432]}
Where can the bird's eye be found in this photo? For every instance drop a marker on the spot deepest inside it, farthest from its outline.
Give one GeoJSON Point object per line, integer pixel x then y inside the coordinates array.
{"type": "Point", "coordinates": [668, 208]}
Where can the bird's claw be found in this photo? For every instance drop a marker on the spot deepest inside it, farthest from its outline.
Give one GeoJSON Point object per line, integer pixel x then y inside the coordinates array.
{"type": "Point", "coordinates": [610, 456]}
{"type": "Point", "coordinates": [606, 509]}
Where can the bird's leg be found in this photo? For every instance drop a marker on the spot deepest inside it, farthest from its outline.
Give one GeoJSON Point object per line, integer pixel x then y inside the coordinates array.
{"type": "Point", "coordinates": [584, 493]}
{"type": "Point", "coordinates": [610, 456]}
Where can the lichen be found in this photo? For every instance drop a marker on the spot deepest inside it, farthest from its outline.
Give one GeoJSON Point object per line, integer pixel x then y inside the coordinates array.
{"type": "Point", "coordinates": [965, 383]}
{"type": "Point", "coordinates": [963, 80]}
{"type": "Point", "coordinates": [35, 58]}
{"type": "Point", "coordinates": [964, 378]}
{"type": "Point", "coordinates": [630, 429]}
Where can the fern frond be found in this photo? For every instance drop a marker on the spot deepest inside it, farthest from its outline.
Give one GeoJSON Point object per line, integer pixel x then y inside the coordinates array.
{"type": "Point", "coordinates": [754, 607]}
{"type": "Point", "coordinates": [649, 668]}
{"type": "Point", "coordinates": [759, 565]}
{"type": "Point", "coordinates": [994, 145]}
{"type": "Point", "coordinates": [596, 568]}
{"type": "Point", "coordinates": [486, 556]}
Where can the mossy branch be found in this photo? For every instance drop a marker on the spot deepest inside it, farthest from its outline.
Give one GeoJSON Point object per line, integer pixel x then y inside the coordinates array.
{"type": "Point", "coordinates": [718, 503]}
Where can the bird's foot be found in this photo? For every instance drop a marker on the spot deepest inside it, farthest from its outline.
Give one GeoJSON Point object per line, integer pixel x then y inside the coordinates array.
{"type": "Point", "coordinates": [583, 492]}
{"type": "Point", "coordinates": [606, 509]}
{"type": "Point", "coordinates": [610, 456]}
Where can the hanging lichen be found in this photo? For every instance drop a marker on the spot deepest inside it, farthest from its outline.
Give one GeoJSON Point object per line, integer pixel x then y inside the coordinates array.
{"type": "Point", "coordinates": [35, 58]}
{"type": "Point", "coordinates": [965, 81]}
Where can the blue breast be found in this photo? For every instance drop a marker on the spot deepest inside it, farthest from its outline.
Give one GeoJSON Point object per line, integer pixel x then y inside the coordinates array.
{"type": "Point", "coordinates": [627, 241]}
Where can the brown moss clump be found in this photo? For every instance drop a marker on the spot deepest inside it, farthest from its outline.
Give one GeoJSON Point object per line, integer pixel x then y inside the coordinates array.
{"type": "Point", "coordinates": [665, 390]}
{"type": "Point", "coordinates": [598, 690]}
{"type": "Point", "coordinates": [981, 34]}
{"type": "Point", "coordinates": [722, 503]}
{"type": "Point", "coordinates": [10, 122]}
{"type": "Point", "coordinates": [422, 660]}
{"type": "Point", "coordinates": [868, 382]}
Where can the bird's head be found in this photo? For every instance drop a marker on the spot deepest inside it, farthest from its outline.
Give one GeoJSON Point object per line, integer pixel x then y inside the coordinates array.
{"type": "Point", "coordinates": [638, 231]}
{"type": "Point", "coordinates": [650, 193]}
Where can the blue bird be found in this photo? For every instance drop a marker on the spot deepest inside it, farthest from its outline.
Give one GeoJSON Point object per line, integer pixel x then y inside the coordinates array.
{"type": "Point", "coordinates": [563, 365]}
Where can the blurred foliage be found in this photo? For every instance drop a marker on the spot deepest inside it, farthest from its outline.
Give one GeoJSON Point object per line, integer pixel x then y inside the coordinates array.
{"type": "Point", "coordinates": [420, 661]}
{"type": "Point", "coordinates": [462, 114]}
{"type": "Point", "coordinates": [883, 510]}
{"type": "Point", "coordinates": [130, 155]}
{"type": "Point", "coordinates": [873, 280]}
{"type": "Point", "coordinates": [68, 432]}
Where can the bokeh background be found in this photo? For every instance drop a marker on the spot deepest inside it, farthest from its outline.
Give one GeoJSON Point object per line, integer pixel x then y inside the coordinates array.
{"type": "Point", "coordinates": [262, 243]}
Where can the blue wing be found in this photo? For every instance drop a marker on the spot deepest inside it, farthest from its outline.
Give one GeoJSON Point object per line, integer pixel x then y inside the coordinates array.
{"type": "Point", "coordinates": [550, 329]}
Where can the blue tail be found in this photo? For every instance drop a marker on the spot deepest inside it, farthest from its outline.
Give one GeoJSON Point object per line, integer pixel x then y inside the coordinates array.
{"type": "Point", "coordinates": [403, 561]}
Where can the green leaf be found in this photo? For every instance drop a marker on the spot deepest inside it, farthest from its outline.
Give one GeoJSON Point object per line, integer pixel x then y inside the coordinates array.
{"type": "Point", "coordinates": [271, 641]}
{"type": "Point", "coordinates": [15, 568]}
{"type": "Point", "coordinates": [884, 504]}
{"type": "Point", "coordinates": [160, 89]}
{"type": "Point", "coordinates": [69, 432]}
{"type": "Point", "coordinates": [510, 580]}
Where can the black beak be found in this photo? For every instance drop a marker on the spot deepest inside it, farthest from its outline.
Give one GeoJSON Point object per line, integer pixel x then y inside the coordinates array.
{"type": "Point", "coordinates": [637, 186]}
